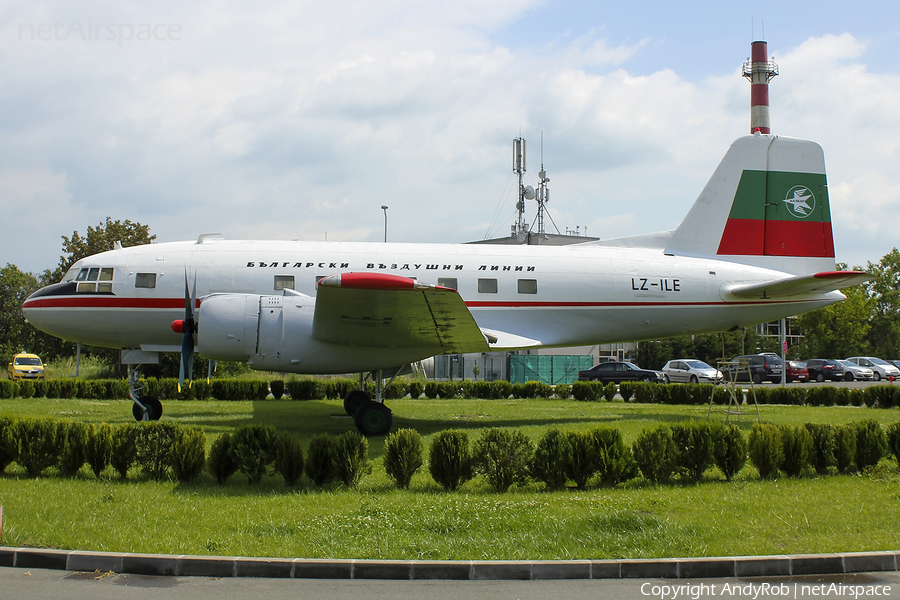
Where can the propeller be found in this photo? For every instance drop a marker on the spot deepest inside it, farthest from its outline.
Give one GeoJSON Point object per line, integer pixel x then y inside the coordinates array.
{"type": "Point", "coordinates": [187, 326]}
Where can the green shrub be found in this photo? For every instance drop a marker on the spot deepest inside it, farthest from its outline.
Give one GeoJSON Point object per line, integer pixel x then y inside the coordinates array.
{"type": "Point", "coordinates": [882, 396]}
{"type": "Point", "coordinates": [72, 443]}
{"type": "Point", "coordinates": [450, 460]}
{"type": "Point", "coordinates": [394, 391]}
{"type": "Point", "coordinates": [626, 390]}
{"type": "Point", "coordinates": [37, 445]}
{"type": "Point", "coordinates": [614, 461]}
{"type": "Point", "coordinates": [695, 446]}
{"type": "Point", "coordinates": [124, 448]}
{"type": "Point", "coordinates": [823, 444]}
{"type": "Point", "coordinates": [648, 393]}
{"type": "Point", "coordinates": [893, 439]}
{"type": "Point", "coordinates": [8, 446]}
{"type": "Point", "coordinates": [766, 449]}
{"type": "Point", "coordinates": [583, 465]}
{"type": "Point", "coordinates": [153, 446]}
{"type": "Point", "coordinates": [609, 391]}
{"type": "Point", "coordinates": [305, 389]}
{"type": "Point", "coordinates": [845, 446]}
{"type": "Point", "coordinates": [67, 389]}
{"type": "Point", "coordinates": [731, 450]}
{"type": "Point", "coordinates": [403, 450]}
{"type": "Point", "coordinates": [432, 389]}
{"type": "Point", "coordinates": [871, 443]}
{"type": "Point", "coordinates": [289, 458]}
{"type": "Point", "coordinates": [99, 447]}
{"type": "Point", "coordinates": [26, 389]}
{"type": "Point", "coordinates": [563, 391]}
{"type": "Point", "coordinates": [415, 389]}
{"type": "Point", "coordinates": [9, 389]}
{"type": "Point", "coordinates": [320, 459]}
{"type": "Point", "coordinates": [351, 458]}
{"type": "Point", "coordinates": [551, 459]}
{"type": "Point", "coordinates": [587, 391]}
{"type": "Point", "coordinates": [188, 453]}
{"type": "Point", "coordinates": [798, 449]}
{"type": "Point", "coordinates": [536, 389]}
{"type": "Point", "coordinates": [655, 453]}
{"type": "Point", "coordinates": [254, 450]}
{"type": "Point", "coordinates": [221, 462]}
{"type": "Point", "coordinates": [502, 457]}
{"type": "Point", "coordinates": [276, 386]}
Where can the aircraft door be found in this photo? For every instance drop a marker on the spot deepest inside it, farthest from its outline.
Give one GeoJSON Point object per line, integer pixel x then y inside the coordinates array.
{"type": "Point", "coordinates": [271, 325]}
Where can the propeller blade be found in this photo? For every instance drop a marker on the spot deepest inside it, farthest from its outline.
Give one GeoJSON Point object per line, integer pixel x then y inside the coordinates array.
{"type": "Point", "coordinates": [186, 369]}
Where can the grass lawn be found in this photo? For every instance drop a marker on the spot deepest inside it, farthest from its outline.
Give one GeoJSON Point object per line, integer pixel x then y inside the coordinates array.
{"type": "Point", "coordinates": [714, 518]}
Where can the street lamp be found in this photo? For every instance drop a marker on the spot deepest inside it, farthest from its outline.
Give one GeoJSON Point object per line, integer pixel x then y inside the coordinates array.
{"type": "Point", "coordinates": [384, 208]}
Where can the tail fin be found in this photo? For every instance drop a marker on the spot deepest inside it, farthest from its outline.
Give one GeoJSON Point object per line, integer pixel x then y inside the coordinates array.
{"type": "Point", "coordinates": [765, 205]}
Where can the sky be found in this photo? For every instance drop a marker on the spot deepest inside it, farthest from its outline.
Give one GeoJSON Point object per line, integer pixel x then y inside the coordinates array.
{"type": "Point", "coordinates": [301, 119]}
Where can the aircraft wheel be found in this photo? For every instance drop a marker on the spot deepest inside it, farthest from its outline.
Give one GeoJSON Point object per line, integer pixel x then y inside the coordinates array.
{"type": "Point", "coordinates": [354, 399]}
{"type": "Point", "coordinates": [154, 407]}
{"type": "Point", "coordinates": [373, 419]}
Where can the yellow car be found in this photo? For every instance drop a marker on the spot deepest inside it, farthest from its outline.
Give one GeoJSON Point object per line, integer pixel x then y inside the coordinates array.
{"type": "Point", "coordinates": [25, 366]}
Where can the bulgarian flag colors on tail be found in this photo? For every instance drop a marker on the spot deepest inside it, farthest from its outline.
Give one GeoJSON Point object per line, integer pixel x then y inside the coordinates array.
{"type": "Point", "coordinates": [776, 213]}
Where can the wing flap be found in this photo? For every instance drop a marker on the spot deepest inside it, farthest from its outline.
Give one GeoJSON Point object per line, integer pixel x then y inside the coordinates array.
{"type": "Point", "coordinates": [388, 311]}
{"type": "Point", "coordinates": [818, 283]}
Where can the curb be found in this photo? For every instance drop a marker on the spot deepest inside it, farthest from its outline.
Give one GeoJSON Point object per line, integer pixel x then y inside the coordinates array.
{"type": "Point", "coordinates": [316, 568]}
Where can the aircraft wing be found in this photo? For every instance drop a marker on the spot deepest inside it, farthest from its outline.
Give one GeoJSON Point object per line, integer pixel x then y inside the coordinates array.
{"type": "Point", "coordinates": [819, 283]}
{"type": "Point", "coordinates": [383, 311]}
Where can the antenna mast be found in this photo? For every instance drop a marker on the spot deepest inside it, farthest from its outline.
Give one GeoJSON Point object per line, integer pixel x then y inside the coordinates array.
{"type": "Point", "coordinates": [520, 229]}
{"type": "Point", "coordinates": [543, 191]}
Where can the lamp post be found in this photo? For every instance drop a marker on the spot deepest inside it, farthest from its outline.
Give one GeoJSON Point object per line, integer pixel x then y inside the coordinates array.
{"type": "Point", "coordinates": [384, 208]}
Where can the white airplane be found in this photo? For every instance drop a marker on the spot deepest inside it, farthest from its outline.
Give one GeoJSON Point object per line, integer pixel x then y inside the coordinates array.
{"type": "Point", "coordinates": [740, 257]}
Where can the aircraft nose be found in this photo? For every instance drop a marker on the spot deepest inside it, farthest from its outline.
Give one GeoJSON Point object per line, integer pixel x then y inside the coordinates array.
{"type": "Point", "coordinates": [38, 308]}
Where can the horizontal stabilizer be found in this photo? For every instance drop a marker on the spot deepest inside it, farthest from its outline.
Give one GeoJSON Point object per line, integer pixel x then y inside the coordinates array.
{"type": "Point", "coordinates": [818, 283]}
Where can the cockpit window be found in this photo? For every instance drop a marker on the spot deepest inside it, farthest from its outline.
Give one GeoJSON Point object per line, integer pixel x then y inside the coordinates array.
{"type": "Point", "coordinates": [95, 280]}
{"type": "Point", "coordinates": [82, 275]}
{"type": "Point", "coordinates": [71, 274]}
{"type": "Point", "coordinates": [93, 274]}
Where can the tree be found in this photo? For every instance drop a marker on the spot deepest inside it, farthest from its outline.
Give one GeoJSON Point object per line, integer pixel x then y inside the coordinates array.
{"type": "Point", "coordinates": [15, 334]}
{"type": "Point", "coordinates": [101, 238]}
{"type": "Point", "coordinates": [840, 329]}
{"type": "Point", "coordinates": [884, 290]}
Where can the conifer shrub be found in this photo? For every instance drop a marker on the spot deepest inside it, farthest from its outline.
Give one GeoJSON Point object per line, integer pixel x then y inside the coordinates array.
{"type": "Point", "coordinates": [153, 448]}
{"type": "Point", "coordinates": [289, 458]}
{"type": "Point", "coordinates": [37, 444]}
{"type": "Point", "coordinates": [450, 459]}
{"type": "Point", "coordinates": [614, 460]}
{"type": "Point", "coordinates": [188, 453]}
{"type": "Point", "coordinates": [221, 462]}
{"type": "Point", "coordinates": [536, 389]}
{"type": "Point", "coordinates": [67, 389]}
{"type": "Point", "coordinates": [351, 458]}
{"type": "Point", "coordinates": [123, 453]}
{"type": "Point", "coordinates": [432, 389]}
{"type": "Point", "coordinates": [845, 446]}
{"type": "Point", "coordinates": [655, 453]}
{"type": "Point", "coordinates": [823, 445]}
{"type": "Point", "coordinates": [403, 452]}
{"type": "Point", "coordinates": [319, 460]}
{"type": "Point", "coordinates": [626, 390]}
{"type": "Point", "coordinates": [276, 386]}
{"type": "Point", "coordinates": [871, 443]}
{"type": "Point", "coordinates": [8, 445]}
{"type": "Point", "coordinates": [563, 391]}
{"type": "Point", "coordinates": [41, 387]}
{"type": "Point", "coordinates": [731, 450]}
{"type": "Point", "coordinates": [609, 391]}
{"type": "Point", "coordinates": [305, 389]}
{"type": "Point", "coordinates": [583, 465]}
{"type": "Point", "coordinates": [882, 396]}
{"type": "Point", "coordinates": [766, 449]}
{"type": "Point", "coordinates": [552, 456]}
{"type": "Point", "coordinates": [9, 389]}
{"type": "Point", "coordinates": [893, 439]}
{"type": "Point", "coordinates": [502, 456]}
{"type": "Point", "coordinates": [254, 450]}
{"type": "Point", "coordinates": [647, 393]}
{"type": "Point", "coordinates": [26, 389]}
{"type": "Point", "coordinates": [99, 447]}
{"type": "Point", "coordinates": [415, 389]}
{"type": "Point", "coordinates": [72, 442]}
{"type": "Point", "coordinates": [695, 446]}
{"type": "Point", "coordinates": [798, 449]}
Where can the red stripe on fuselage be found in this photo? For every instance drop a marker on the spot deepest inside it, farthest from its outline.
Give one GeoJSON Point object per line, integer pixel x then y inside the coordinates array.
{"type": "Point", "coordinates": [105, 302]}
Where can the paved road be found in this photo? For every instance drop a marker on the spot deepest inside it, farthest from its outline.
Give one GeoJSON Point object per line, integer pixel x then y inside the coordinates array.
{"type": "Point", "coordinates": [28, 584]}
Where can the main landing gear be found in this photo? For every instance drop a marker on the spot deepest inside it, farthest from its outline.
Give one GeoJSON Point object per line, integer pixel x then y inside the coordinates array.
{"type": "Point", "coordinates": [372, 417]}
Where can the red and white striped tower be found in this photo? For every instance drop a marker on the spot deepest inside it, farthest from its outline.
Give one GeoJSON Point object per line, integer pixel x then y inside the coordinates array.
{"type": "Point", "coordinates": [760, 71]}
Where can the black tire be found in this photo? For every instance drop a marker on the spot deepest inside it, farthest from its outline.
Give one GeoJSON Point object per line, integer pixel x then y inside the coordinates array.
{"type": "Point", "coordinates": [373, 419]}
{"type": "Point", "coordinates": [848, 376]}
{"type": "Point", "coordinates": [820, 377]}
{"type": "Point", "coordinates": [666, 378]}
{"type": "Point", "coordinates": [694, 379]}
{"type": "Point", "coordinates": [354, 399]}
{"type": "Point", "coordinates": [645, 379]}
{"type": "Point", "coordinates": [876, 375]}
{"type": "Point", "coordinates": [757, 379]}
{"type": "Point", "coordinates": [154, 407]}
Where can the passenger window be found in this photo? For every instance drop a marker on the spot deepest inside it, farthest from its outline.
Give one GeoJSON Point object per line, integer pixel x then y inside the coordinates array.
{"type": "Point", "coordinates": [145, 280]}
{"type": "Point", "coordinates": [527, 286]}
{"type": "Point", "coordinates": [448, 282]}
{"type": "Point", "coordinates": [487, 286]}
{"type": "Point", "coordinates": [284, 282]}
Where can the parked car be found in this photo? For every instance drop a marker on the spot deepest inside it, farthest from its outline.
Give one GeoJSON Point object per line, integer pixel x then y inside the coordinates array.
{"type": "Point", "coordinates": [25, 366]}
{"type": "Point", "coordinates": [881, 369]}
{"type": "Point", "coordinates": [690, 370]}
{"type": "Point", "coordinates": [821, 369]}
{"type": "Point", "coordinates": [896, 363]}
{"type": "Point", "coordinates": [853, 371]}
{"type": "Point", "coordinates": [754, 367]}
{"type": "Point", "coordinates": [796, 370]}
{"type": "Point", "coordinates": [617, 372]}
